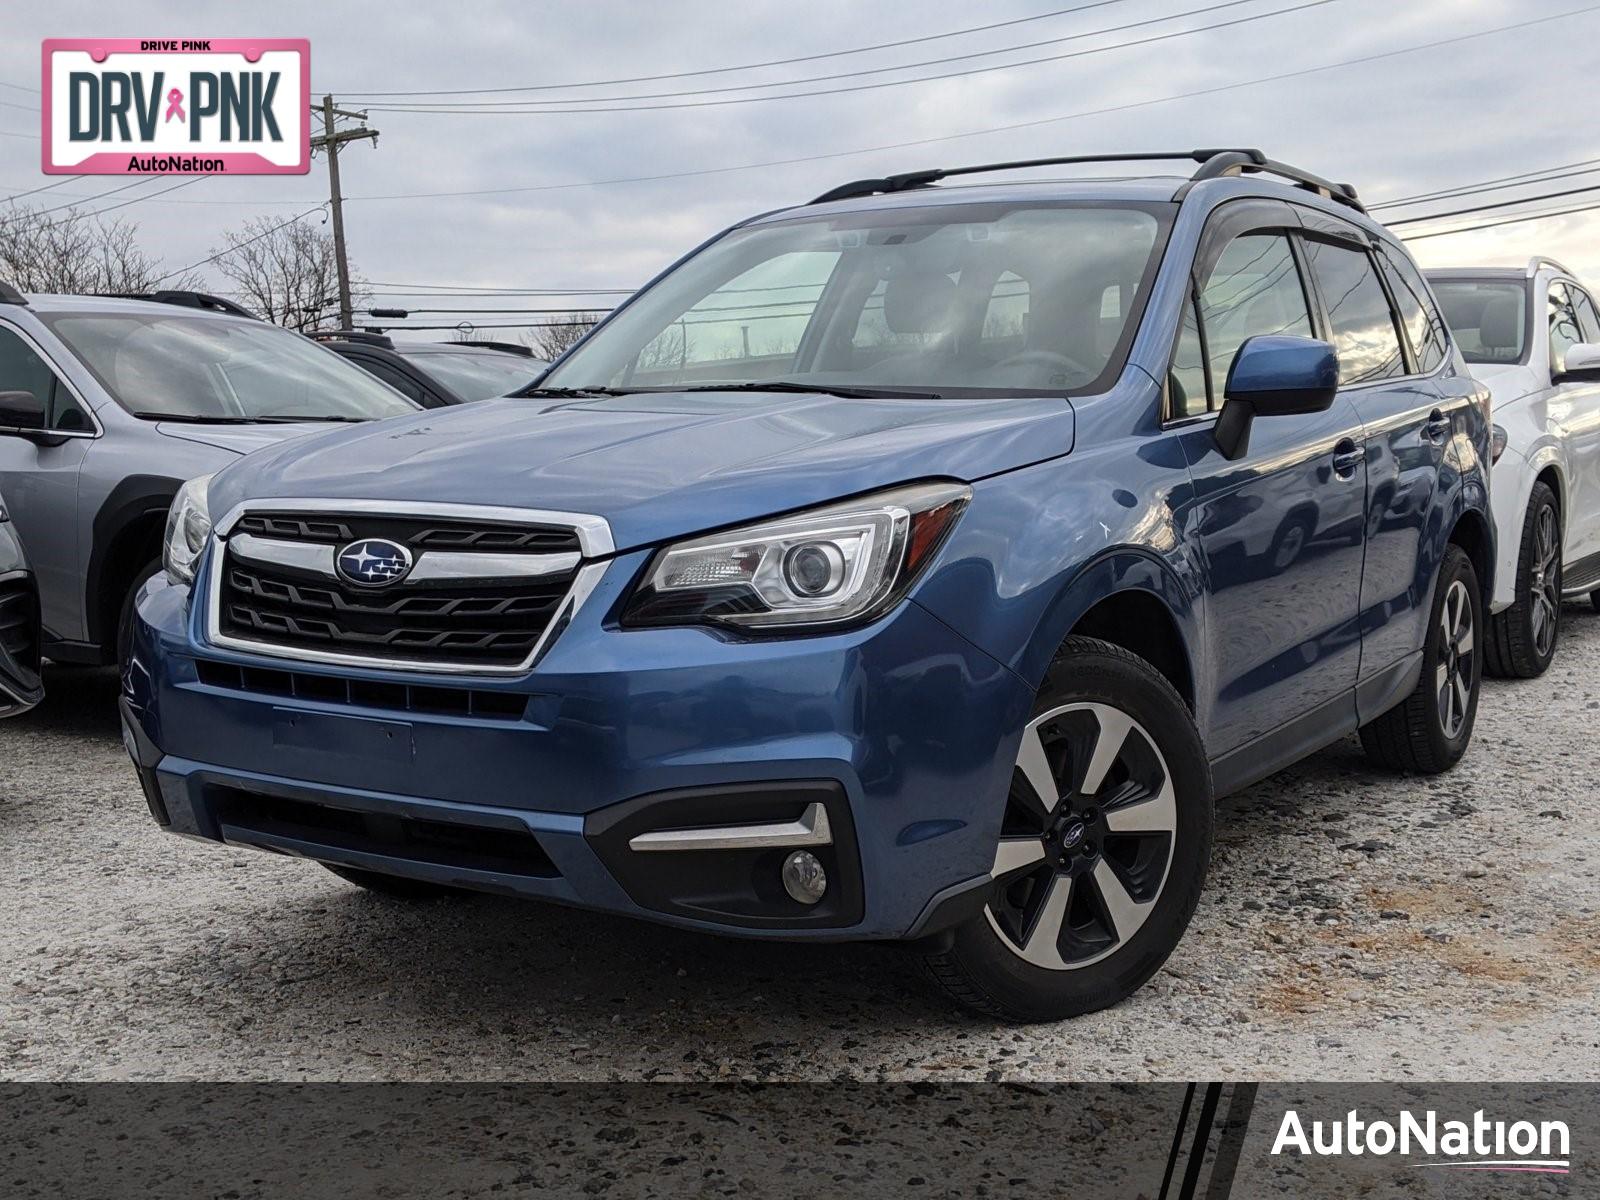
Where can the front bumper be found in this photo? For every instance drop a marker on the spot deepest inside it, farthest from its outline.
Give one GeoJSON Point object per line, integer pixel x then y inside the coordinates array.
{"type": "Point", "coordinates": [903, 732]}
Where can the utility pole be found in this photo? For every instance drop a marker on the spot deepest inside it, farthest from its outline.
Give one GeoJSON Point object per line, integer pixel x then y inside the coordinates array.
{"type": "Point", "coordinates": [330, 140]}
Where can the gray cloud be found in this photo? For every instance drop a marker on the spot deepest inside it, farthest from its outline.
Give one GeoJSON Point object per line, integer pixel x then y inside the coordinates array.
{"type": "Point", "coordinates": [1406, 124]}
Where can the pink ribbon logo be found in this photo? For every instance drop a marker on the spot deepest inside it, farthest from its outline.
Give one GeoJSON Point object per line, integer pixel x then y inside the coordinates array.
{"type": "Point", "coordinates": [175, 105]}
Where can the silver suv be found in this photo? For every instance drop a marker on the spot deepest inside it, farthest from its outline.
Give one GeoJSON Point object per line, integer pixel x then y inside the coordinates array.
{"type": "Point", "coordinates": [107, 405]}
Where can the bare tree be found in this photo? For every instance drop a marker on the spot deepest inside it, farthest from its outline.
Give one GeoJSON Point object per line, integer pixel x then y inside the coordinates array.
{"type": "Point", "coordinates": [76, 252]}
{"type": "Point", "coordinates": [555, 339]}
{"type": "Point", "coordinates": [285, 273]}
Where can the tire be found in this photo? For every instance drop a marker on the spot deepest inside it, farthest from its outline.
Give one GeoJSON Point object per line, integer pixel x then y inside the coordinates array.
{"type": "Point", "coordinates": [1594, 599]}
{"type": "Point", "coordinates": [396, 886]}
{"type": "Point", "coordinates": [1116, 882]}
{"type": "Point", "coordinates": [1413, 735]}
{"type": "Point", "coordinates": [1522, 640]}
{"type": "Point", "coordinates": [125, 614]}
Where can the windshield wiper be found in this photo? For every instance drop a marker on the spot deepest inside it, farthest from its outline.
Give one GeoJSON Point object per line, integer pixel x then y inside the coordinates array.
{"type": "Point", "coordinates": [194, 418]}
{"type": "Point", "coordinates": [287, 419]}
{"type": "Point", "coordinates": [826, 389]}
{"type": "Point", "coordinates": [571, 391]}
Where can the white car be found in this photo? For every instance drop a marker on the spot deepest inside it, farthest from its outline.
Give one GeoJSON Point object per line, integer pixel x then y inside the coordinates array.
{"type": "Point", "coordinates": [1533, 335]}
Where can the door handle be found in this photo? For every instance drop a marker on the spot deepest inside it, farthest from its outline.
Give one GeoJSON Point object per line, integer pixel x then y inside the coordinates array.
{"type": "Point", "coordinates": [1348, 456]}
{"type": "Point", "coordinates": [1438, 426]}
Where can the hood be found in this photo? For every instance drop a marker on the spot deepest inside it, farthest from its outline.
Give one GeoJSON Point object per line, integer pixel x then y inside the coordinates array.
{"type": "Point", "coordinates": [241, 439]}
{"type": "Point", "coordinates": [660, 465]}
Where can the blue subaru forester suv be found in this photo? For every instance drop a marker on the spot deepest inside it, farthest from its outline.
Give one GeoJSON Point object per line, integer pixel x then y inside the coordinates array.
{"type": "Point", "coordinates": [918, 563]}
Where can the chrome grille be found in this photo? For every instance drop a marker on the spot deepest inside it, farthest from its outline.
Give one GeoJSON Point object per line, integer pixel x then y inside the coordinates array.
{"type": "Point", "coordinates": [484, 594]}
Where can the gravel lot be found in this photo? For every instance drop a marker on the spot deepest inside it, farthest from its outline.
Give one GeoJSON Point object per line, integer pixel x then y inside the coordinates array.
{"type": "Point", "coordinates": [1356, 926]}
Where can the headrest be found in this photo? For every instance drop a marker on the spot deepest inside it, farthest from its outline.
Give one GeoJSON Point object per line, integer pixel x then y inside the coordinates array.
{"type": "Point", "coordinates": [919, 302]}
{"type": "Point", "coordinates": [1500, 327]}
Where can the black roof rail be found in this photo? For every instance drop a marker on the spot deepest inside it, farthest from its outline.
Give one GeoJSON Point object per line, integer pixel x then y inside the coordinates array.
{"type": "Point", "coordinates": [506, 347]}
{"type": "Point", "coordinates": [1237, 162]}
{"type": "Point", "coordinates": [10, 295]}
{"type": "Point", "coordinates": [365, 336]}
{"type": "Point", "coordinates": [187, 299]}
{"type": "Point", "coordinates": [1214, 164]}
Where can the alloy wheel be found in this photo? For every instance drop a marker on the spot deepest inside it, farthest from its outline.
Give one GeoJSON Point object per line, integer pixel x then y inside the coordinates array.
{"type": "Point", "coordinates": [1087, 840]}
{"type": "Point", "coordinates": [1545, 583]}
{"type": "Point", "coordinates": [1457, 660]}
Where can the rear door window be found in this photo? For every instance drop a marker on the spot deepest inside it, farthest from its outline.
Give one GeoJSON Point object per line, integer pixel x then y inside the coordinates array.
{"type": "Point", "coordinates": [1423, 325]}
{"type": "Point", "coordinates": [1362, 323]}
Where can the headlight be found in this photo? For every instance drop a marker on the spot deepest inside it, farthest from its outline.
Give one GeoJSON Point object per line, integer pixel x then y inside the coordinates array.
{"type": "Point", "coordinates": [188, 527]}
{"type": "Point", "coordinates": [830, 566]}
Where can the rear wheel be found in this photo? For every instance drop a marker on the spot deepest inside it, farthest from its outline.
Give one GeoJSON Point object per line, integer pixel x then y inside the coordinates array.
{"type": "Point", "coordinates": [1428, 731]}
{"type": "Point", "coordinates": [1103, 847]}
{"type": "Point", "coordinates": [397, 886]}
{"type": "Point", "coordinates": [1522, 639]}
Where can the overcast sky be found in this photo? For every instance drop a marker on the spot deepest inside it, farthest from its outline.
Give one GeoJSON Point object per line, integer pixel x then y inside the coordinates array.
{"type": "Point", "coordinates": [1511, 102]}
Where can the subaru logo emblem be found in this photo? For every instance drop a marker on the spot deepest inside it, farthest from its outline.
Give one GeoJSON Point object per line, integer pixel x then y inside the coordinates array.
{"type": "Point", "coordinates": [374, 562]}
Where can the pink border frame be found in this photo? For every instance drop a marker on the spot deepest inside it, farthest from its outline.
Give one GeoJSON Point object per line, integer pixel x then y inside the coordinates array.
{"type": "Point", "coordinates": [114, 162]}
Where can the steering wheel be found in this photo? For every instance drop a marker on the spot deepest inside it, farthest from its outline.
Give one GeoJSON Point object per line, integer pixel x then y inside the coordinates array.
{"type": "Point", "coordinates": [1047, 359]}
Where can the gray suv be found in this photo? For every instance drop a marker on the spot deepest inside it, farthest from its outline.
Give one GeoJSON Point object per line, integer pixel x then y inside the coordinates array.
{"type": "Point", "coordinates": [108, 405]}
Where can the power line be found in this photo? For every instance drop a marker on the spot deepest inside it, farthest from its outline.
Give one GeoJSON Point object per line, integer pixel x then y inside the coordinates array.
{"type": "Point", "coordinates": [1478, 208]}
{"type": "Point", "coordinates": [124, 204]}
{"type": "Point", "coordinates": [1198, 93]}
{"type": "Point", "coordinates": [863, 87]}
{"type": "Point", "coordinates": [240, 245]}
{"type": "Point", "coordinates": [1539, 216]}
{"type": "Point", "coordinates": [1501, 181]}
{"type": "Point", "coordinates": [65, 179]}
{"type": "Point", "coordinates": [490, 105]}
{"type": "Point", "coordinates": [45, 212]}
{"type": "Point", "coordinates": [776, 62]}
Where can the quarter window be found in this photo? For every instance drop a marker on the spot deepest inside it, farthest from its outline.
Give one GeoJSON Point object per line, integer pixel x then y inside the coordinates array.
{"type": "Point", "coordinates": [1564, 332]}
{"type": "Point", "coordinates": [1186, 382]}
{"type": "Point", "coordinates": [1362, 323]}
{"type": "Point", "coordinates": [1588, 320]}
{"type": "Point", "coordinates": [21, 370]}
{"type": "Point", "coordinates": [1253, 290]}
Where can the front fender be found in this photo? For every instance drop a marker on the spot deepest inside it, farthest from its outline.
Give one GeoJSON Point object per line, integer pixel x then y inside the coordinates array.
{"type": "Point", "coordinates": [1038, 548]}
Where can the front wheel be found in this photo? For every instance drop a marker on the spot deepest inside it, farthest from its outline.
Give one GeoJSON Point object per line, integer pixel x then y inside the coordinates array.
{"type": "Point", "coordinates": [1428, 731]}
{"type": "Point", "coordinates": [1103, 847]}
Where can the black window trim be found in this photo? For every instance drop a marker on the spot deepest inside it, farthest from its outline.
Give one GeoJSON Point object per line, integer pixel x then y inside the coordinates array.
{"type": "Point", "coordinates": [61, 378]}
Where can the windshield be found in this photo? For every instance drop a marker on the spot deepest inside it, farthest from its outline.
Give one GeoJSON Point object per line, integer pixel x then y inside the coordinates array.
{"type": "Point", "coordinates": [474, 376]}
{"type": "Point", "coordinates": [942, 299]}
{"type": "Point", "coordinates": [1488, 317]}
{"type": "Point", "coordinates": [185, 368]}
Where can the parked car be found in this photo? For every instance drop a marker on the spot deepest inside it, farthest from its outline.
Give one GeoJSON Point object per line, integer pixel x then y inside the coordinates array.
{"type": "Point", "coordinates": [21, 686]}
{"type": "Point", "coordinates": [437, 374]}
{"type": "Point", "coordinates": [902, 565]}
{"type": "Point", "coordinates": [1533, 336]}
{"type": "Point", "coordinates": [112, 404]}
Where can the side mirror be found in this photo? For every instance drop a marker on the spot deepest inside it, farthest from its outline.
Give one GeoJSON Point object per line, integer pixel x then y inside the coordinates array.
{"type": "Point", "coordinates": [1582, 364]}
{"type": "Point", "coordinates": [1274, 375]}
{"type": "Point", "coordinates": [21, 412]}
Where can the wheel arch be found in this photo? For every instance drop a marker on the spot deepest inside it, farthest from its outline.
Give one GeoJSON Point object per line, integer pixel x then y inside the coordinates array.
{"type": "Point", "coordinates": [127, 533]}
{"type": "Point", "coordinates": [1473, 535]}
{"type": "Point", "coordinates": [1130, 598]}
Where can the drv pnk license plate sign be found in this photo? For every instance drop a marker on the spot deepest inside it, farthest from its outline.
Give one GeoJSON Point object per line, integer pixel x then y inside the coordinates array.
{"type": "Point", "coordinates": [151, 106]}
